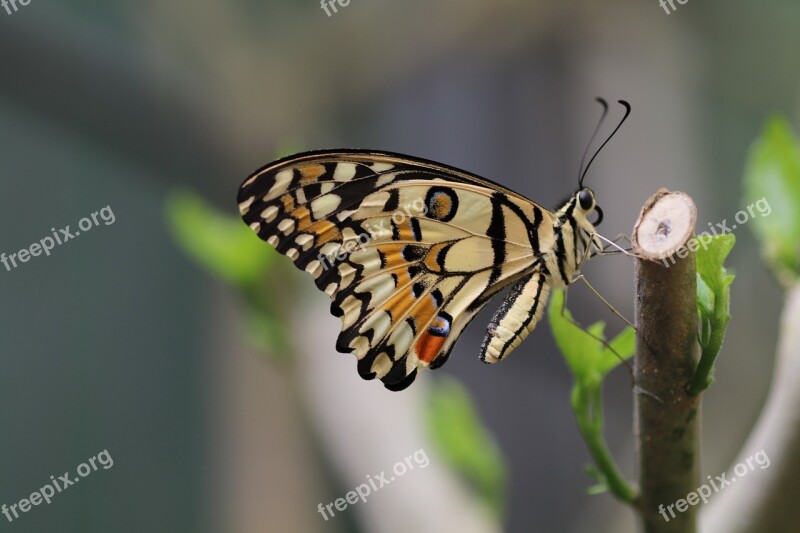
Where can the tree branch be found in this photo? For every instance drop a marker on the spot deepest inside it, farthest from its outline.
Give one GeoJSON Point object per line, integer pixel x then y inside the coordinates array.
{"type": "Point", "coordinates": [666, 416]}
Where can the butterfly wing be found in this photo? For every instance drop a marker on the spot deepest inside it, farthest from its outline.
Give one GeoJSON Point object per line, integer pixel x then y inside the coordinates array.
{"type": "Point", "coordinates": [408, 250]}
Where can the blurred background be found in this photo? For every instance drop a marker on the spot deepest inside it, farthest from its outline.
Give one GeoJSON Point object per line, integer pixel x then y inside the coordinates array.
{"type": "Point", "coordinates": [120, 340]}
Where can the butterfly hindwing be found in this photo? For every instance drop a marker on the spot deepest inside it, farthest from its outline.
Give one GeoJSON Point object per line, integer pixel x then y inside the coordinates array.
{"type": "Point", "coordinates": [408, 250]}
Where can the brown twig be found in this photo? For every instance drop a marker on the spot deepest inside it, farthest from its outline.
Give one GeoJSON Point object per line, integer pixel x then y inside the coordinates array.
{"type": "Point", "coordinates": [666, 416]}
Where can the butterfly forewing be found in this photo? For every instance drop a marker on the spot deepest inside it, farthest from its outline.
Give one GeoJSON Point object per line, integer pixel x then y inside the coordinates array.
{"type": "Point", "coordinates": [408, 250]}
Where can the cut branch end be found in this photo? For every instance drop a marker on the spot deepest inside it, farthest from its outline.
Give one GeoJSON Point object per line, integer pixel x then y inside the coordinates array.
{"type": "Point", "coordinates": [665, 225]}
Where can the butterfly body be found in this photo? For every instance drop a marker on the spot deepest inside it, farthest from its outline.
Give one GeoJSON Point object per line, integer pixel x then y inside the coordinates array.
{"type": "Point", "coordinates": [410, 251]}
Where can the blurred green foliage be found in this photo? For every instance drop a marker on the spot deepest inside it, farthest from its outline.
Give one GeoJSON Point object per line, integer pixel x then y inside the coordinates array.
{"type": "Point", "coordinates": [222, 244]}
{"type": "Point", "coordinates": [713, 306]}
{"type": "Point", "coordinates": [589, 361]}
{"type": "Point", "coordinates": [772, 172]}
{"type": "Point", "coordinates": [462, 440]}
{"type": "Point", "coordinates": [228, 249]}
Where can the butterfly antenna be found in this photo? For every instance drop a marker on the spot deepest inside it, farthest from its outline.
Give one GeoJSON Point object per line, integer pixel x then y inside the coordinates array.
{"type": "Point", "coordinates": [591, 140]}
{"type": "Point", "coordinates": [621, 122]}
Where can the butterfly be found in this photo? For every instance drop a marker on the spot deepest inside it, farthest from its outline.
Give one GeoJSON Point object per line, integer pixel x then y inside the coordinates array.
{"type": "Point", "coordinates": [410, 250]}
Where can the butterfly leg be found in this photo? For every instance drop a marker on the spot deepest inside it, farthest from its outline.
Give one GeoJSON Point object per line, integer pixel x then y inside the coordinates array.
{"type": "Point", "coordinates": [622, 236]}
{"type": "Point", "coordinates": [637, 388]}
{"type": "Point", "coordinates": [613, 309]}
{"type": "Point", "coordinates": [601, 248]}
{"type": "Point", "coordinates": [581, 277]}
{"type": "Point", "coordinates": [613, 244]}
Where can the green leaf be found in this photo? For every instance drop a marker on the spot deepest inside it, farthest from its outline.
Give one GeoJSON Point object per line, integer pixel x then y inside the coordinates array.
{"type": "Point", "coordinates": [600, 488]}
{"type": "Point", "coordinates": [223, 244]}
{"type": "Point", "coordinates": [713, 306]}
{"type": "Point", "coordinates": [589, 361]}
{"type": "Point", "coordinates": [464, 442]}
{"type": "Point", "coordinates": [705, 297]}
{"type": "Point", "coordinates": [579, 350]}
{"type": "Point", "coordinates": [624, 345]}
{"type": "Point", "coordinates": [587, 358]}
{"type": "Point", "coordinates": [711, 263]}
{"type": "Point", "coordinates": [772, 190]}
{"type": "Point", "coordinates": [227, 248]}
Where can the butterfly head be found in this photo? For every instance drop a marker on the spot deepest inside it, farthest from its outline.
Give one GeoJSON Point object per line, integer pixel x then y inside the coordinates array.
{"type": "Point", "coordinates": [579, 208]}
{"type": "Point", "coordinates": [581, 213]}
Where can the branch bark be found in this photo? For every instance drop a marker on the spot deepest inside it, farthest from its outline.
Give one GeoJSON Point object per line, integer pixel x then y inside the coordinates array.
{"type": "Point", "coordinates": [666, 416]}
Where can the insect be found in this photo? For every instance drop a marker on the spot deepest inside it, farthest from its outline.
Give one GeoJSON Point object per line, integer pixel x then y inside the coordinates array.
{"type": "Point", "coordinates": [410, 250]}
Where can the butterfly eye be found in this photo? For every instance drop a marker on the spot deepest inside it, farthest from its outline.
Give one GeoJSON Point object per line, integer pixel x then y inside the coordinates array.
{"type": "Point", "coordinates": [586, 199]}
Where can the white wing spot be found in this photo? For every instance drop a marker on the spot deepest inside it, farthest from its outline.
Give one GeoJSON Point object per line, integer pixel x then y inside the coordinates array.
{"type": "Point", "coordinates": [282, 180]}
{"type": "Point", "coordinates": [305, 240]}
{"type": "Point", "coordinates": [351, 307]}
{"type": "Point", "coordinates": [286, 225]}
{"type": "Point", "coordinates": [344, 172]}
{"type": "Point", "coordinates": [402, 337]}
{"type": "Point", "coordinates": [344, 215]}
{"type": "Point", "coordinates": [380, 286]}
{"type": "Point", "coordinates": [385, 178]}
{"type": "Point", "coordinates": [314, 268]}
{"type": "Point", "coordinates": [330, 290]}
{"type": "Point", "coordinates": [382, 167]}
{"type": "Point", "coordinates": [330, 249]}
{"type": "Point", "coordinates": [270, 213]}
{"type": "Point", "coordinates": [325, 205]}
{"type": "Point", "coordinates": [380, 323]}
{"type": "Point", "coordinates": [244, 206]}
{"type": "Point", "coordinates": [361, 346]}
{"type": "Point", "coordinates": [382, 365]}
{"type": "Point", "coordinates": [347, 274]}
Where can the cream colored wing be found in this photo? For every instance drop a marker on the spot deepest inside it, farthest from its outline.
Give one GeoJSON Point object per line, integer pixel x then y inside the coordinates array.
{"type": "Point", "coordinates": [408, 250]}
